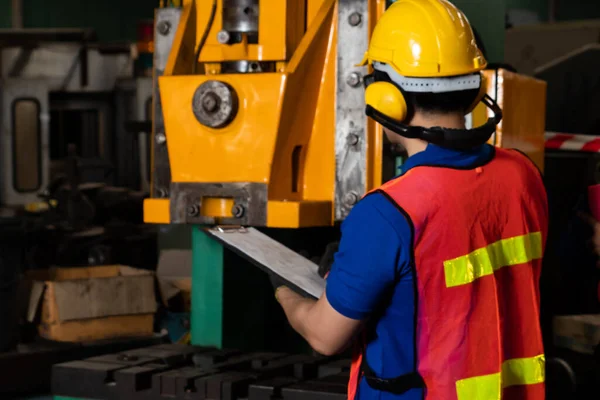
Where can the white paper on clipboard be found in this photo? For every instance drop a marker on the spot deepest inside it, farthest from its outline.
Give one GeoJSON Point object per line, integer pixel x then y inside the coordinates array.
{"type": "Point", "coordinates": [271, 256]}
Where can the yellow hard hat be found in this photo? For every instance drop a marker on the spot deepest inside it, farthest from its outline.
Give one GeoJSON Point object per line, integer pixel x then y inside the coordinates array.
{"type": "Point", "coordinates": [425, 46]}
{"type": "Point", "coordinates": [425, 38]}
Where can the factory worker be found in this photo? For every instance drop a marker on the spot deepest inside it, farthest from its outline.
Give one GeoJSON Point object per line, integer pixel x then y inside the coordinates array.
{"type": "Point", "coordinates": [436, 279]}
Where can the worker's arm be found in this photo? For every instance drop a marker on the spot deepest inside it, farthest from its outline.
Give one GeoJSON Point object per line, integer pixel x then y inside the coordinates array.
{"type": "Point", "coordinates": [363, 272]}
{"type": "Point", "coordinates": [327, 331]}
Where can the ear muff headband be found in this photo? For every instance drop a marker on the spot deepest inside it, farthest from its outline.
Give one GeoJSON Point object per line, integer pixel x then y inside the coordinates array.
{"type": "Point", "coordinates": [387, 105]}
{"type": "Point", "coordinates": [445, 137]}
{"type": "Point", "coordinates": [480, 95]}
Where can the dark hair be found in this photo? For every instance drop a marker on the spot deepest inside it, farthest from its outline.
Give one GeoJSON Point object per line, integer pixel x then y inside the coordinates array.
{"type": "Point", "coordinates": [442, 103]}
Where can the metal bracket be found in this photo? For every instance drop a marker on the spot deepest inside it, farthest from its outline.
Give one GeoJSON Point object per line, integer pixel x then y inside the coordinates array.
{"type": "Point", "coordinates": [351, 121]}
{"type": "Point", "coordinates": [250, 203]}
{"type": "Point", "coordinates": [161, 170]}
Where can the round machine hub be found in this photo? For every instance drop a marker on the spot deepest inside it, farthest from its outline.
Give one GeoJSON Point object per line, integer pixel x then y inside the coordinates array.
{"type": "Point", "coordinates": [215, 104]}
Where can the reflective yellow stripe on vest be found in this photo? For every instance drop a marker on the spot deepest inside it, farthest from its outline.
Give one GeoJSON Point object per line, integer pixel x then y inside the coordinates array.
{"type": "Point", "coordinates": [518, 371]}
{"type": "Point", "coordinates": [484, 261]}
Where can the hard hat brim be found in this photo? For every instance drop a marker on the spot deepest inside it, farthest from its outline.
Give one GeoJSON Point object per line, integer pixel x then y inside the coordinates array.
{"type": "Point", "coordinates": [365, 60]}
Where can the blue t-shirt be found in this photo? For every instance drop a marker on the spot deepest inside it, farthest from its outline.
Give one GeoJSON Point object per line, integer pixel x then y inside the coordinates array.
{"type": "Point", "coordinates": [371, 275]}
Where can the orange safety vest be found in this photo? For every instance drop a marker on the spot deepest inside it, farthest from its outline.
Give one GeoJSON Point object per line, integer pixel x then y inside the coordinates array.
{"type": "Point", "coordinates": [478, 240]}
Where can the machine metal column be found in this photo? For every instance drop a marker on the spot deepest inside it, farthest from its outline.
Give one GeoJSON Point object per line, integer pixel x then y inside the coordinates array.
{"type": "Point", "coordinates": [207, 290]}
{"type": "Point", "coordinates": [207, 254]}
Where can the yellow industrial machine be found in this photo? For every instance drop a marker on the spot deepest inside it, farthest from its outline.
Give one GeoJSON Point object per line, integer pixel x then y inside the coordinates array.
{"type": "Point", "coordinates": [271, 129]}
{"type": "Point", "coordinates": [259, 112]}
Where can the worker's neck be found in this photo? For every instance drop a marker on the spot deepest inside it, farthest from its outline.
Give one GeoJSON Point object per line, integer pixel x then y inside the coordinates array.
{"type": "Point", "coordinates": [426, 120]}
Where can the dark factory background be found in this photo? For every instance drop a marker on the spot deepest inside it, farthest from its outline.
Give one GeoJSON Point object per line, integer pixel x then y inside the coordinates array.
{"type": "Point", "coordinates": [86, 272]}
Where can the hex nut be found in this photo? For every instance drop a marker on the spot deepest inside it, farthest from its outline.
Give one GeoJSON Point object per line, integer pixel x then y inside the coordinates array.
{"type": "Point", "coordinates": [193, 210]}
{"type": "Point", "coordinates": [350, 199]}
{"type": "Point", "coordinates": [223, 37]}
{"type": "Point", "coordinates": [355, 19]}
{"type": "Point", "coordinates": [160, 138]}
{"type": "Point", "coordinates": [353, 139]}
{"type": "Point", "coordinates": [210, 102]}
{"type": "Point", "coordinates": [238, 211]}
{"type": "Point", "coordinates": [354, 79]}
{"type": "Point", "coordinates": [163, 27]}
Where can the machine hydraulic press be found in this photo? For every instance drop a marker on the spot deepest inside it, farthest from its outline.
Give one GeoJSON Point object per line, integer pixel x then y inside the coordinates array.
{"type": "Point", "coordinates": [270, 130]}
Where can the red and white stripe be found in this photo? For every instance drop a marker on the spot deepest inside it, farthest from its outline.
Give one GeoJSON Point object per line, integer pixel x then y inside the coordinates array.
{"type": "Point", "coordinates": [573, 142]}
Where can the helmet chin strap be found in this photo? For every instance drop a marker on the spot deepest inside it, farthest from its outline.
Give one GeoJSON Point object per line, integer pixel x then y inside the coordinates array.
{"type": "Point", "coordinates": [460, 139]}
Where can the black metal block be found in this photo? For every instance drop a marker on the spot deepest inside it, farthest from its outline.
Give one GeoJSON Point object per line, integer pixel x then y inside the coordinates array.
{"type": "Point", "coordinates": [175, 355]}
{"type": "Point", "coordinates": [210, 358]}
{"type": "Point", "coordinates": [269, 389]}
{"type": "Point", "coordinates": [82, 378]}
{"type": "Point", "coordinates": [125, 359]}
{"type": "Point", "coordinates": [177, 382]}
{"type": "Point", "coordinates": [285, 366]}
{"type": "Point", "coordinates": [188, 381]}
{"type": "Point", "coordinates": [334, 368]}
{"type": "Point", "coordinates": [235, 386]}
{"type": "Point", "coordinates": [309, 369]}
{"type": "Point", "coordinates": [195, 373]}
{"type": "Point", "coordinates": [198, 383]}
{"type": "Point", "coordinates": [315, 390]}
{"type": "Point", "coordinates": [263, 359]}
{"type": "Point", "coordinates": [338, 379]}
{"type": "Point", "coordinates": [136, 379]}
{"type": "Point", "coordinates": [243, 362]}
{"type": "Point", "coordinates": [29, 370]}
{"type": "Point", "coordinates": [181, 348]}
{"type": "Point", "coordinates": [225, 386]}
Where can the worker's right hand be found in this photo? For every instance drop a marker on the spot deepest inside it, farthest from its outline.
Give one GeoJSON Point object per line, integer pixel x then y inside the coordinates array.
{"type": "Point", "coordinates": [276, 281]}
{"type": "Point", "coordinates": [327, 259]}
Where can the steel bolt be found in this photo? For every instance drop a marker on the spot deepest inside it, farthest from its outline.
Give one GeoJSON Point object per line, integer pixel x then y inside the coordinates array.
{"type": "Point", "coordinates": [163, 27]}
{"type": "Point", "coordinates": [210, 102]}
{"type": "Point", "coordinates": [238, 210]}
{"type": "Point", "coordinates": [354, 79]}
{"type": "Point", "coordinates": [193, 210]}
{"type": "Point", "coordinates": [355, 18]}
{"type": "Point", "coordinates": [160, 138]}
{"type": "Point", "coordinates": [353, 139]}
{"type": "Point", "coordinates": [350, 199]}
{"type": "Point", "coordinates": [223, 37]}
{"type": "Point", "coordinates": [254, 67]}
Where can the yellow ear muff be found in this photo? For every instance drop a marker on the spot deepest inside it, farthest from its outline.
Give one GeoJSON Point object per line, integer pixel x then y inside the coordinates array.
{"type": "Point", "coordinates": [480, 95]}
{"type": "Point", "coordinates": [387, 99]}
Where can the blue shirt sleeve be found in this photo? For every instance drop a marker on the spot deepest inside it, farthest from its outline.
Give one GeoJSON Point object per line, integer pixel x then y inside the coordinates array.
{"type": "Point", "coordinates": [374, 252]}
